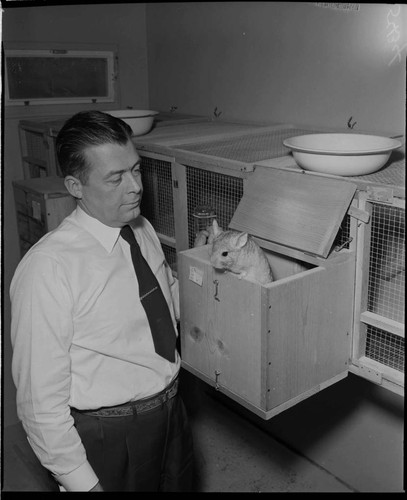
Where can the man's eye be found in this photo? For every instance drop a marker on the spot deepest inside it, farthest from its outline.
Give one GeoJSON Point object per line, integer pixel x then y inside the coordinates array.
{"type": "Point", "coordinates": [136, 172]}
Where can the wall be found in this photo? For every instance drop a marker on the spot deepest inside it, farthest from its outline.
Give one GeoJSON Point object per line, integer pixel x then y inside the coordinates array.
{"type": "Point", "coordinates": [120, 24]}
{"type": "Point", "coordinates": [279, 62]}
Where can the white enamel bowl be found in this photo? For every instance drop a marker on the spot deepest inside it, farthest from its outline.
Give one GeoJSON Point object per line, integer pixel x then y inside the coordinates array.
{"type": "Point", "coordinates": [341, 154]}
{"type": "Point", "coordinates": [140, 120]}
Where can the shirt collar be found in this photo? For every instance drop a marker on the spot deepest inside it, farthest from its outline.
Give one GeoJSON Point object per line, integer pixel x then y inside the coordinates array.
{"type": "Point", "coordinates": [106, 235]}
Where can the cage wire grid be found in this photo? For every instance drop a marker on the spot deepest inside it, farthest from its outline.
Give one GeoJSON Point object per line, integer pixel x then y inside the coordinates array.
{"type": "Point", "coordinates": [248, 148]}
{"type": "Point", "coordinates": [385, 348]}
{"type": "Point", "coordinates": [36, 149]}
{"type": "Point", "coordinates": [35, 145]}
{"type": "Point", "coordinates": [157, 202]}
{"type": "Point", "coordinates": [219, 191]}
{"type": "Point", "coordinates": [386, 283]}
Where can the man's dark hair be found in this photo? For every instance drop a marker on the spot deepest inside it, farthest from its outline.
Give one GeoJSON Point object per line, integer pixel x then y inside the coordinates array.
{"type": "Point", "coordinates": [83, 130]}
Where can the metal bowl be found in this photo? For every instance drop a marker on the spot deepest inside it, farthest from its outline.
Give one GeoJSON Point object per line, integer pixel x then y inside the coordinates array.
{"type": "Point", "coordinates": [140, 120]}
{"type": "Point", "coordinates": [341, 154]}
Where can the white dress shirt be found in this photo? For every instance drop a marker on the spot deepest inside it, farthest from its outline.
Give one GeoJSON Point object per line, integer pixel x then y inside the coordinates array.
{"type": "Point", "coordinates": [81, 337]}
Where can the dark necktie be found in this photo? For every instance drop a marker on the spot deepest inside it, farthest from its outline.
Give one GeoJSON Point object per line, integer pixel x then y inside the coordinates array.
{"type": "Point", "coordinates": [153, 300]}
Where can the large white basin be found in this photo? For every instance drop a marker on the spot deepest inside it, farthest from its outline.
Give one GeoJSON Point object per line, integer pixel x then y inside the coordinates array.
{"type": "Point", "coordinates": [341, 154]}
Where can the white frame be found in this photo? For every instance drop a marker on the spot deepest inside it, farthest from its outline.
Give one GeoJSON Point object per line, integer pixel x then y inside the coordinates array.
{"type": "Point", "coordinates": [111, 75]}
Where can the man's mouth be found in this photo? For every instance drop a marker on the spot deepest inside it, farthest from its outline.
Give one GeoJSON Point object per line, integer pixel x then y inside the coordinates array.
{"type": "Point", "coordinates": [134, 203]}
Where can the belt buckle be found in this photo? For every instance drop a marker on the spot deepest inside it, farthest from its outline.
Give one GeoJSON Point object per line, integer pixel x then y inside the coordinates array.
{"type": "Point", "coordinates": [169, 392]}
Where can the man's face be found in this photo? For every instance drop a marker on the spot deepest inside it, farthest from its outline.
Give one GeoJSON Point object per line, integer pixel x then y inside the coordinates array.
{"type": "Point", "coordinates": [112, 193]}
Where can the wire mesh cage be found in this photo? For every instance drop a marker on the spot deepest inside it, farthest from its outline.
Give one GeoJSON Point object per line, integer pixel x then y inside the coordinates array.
{"type": "Point", "coordinates": [387, 262]}
{"type": "Point", "coordinates": [35, 145]}
{"type": "Point", "coordinates": [386, 283]}
{"type": "Point", "coordinates": [157, 202]}
{"type": "Point", "coordinates": [385, 347]}
{"type": "Point", "coordinates": [170, 256]}
{"type": "Point", "coordinates": [343, 239]}
{"type": "Point", "coordinates": [248, 148]}
{"type": "Point", "coordinates": [221, 192]}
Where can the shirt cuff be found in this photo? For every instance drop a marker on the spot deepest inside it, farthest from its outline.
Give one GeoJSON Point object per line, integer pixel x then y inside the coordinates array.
{"type": "Point", "coordinates": [81, 479]}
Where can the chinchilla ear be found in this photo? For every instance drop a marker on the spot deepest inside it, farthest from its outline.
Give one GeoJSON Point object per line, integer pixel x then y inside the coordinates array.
{"type": "Point", "coordinates": [241, 240]}
{"type": "Point", "coordinates": [216, 228]}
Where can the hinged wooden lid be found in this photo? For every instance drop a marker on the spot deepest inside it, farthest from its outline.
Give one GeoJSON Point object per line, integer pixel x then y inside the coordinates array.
{"type": "Point", "coordinates": [295, 210]}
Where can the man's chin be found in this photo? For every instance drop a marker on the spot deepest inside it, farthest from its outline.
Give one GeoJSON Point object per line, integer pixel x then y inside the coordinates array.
{"type": "Point", "coordinates": [133, 214]}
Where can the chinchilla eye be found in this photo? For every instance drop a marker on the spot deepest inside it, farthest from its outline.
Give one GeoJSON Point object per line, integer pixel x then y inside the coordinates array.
{"type": "Point", "coordinates": [224, 254]}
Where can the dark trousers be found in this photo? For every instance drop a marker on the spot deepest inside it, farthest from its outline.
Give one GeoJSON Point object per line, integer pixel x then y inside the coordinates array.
{"type": "Point", "coordinates": [150, 451]}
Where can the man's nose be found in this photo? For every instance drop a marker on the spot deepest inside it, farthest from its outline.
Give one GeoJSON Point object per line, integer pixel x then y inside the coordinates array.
{"type": "Point", "coordinates": [134, 184]}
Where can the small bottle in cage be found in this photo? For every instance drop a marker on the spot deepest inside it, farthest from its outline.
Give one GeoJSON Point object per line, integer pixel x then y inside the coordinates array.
{"type": "Point", "coordinates": [203, 217]}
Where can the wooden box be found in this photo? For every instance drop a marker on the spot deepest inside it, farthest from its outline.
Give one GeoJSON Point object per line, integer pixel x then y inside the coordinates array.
{"type": "Point", "coordinates": [270, 346]}
{"type": "Point", "coordinates": [41, 205]}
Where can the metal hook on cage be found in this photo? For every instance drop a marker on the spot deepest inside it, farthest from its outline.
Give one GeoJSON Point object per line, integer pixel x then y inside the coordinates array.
{"type": "Point", "coordinates": [217, 386]}
{"type": "Point", "coordinates": [216, 283]}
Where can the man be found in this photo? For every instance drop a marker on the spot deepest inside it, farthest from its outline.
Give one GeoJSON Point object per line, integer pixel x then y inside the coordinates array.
{"type": "Point", "coordinates": [98, 403]}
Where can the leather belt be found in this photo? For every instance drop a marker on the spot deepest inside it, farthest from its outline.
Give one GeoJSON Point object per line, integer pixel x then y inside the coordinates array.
{"type": "Point", "coordinates": [134, 407]}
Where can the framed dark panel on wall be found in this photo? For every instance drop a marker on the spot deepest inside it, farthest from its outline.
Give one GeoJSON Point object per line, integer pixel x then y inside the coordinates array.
{"type": "Point", "coordinates": [59, 76]}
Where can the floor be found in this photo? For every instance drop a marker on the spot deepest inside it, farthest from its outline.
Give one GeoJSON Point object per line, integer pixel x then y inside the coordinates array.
{"type": "Point", "coordinates": [234, 455]}
{"type": "Point", "coordinates": [332, 442]}
{"type": "Point", "coordinates": [306, 449]}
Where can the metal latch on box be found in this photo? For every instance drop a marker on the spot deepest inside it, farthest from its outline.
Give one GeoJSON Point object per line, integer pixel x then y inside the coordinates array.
{"type": "Point", "coordinates": [371, 374]}
{"type": "Point", "coordinates": [343, 245]}
{"type": "Point", "coordinates": [217, 386]}
{"type": "Point", "coordinates": [381, 194]}
{"type": "Point", "coordinates": [359, 214]}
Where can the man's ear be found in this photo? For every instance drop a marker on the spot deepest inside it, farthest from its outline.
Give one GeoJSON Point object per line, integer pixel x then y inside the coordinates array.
{"type": "Point", "coordinates": [74, 186]}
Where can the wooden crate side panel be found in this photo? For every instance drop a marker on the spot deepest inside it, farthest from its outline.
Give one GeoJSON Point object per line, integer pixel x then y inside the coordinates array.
{"type": "Point", "coordinates": [57, 209]}
{"type": "Point", "coordinates": [253, 408]}
{"type": "Point", "coordinates": [310, 320]}
{"type": "Point", "coordinates": [222, 337]}
{"type": "Point", "coordinates": [197, 347]}
{"type": "Point", "coordinates": [239, 332]}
